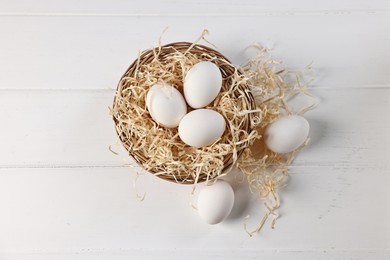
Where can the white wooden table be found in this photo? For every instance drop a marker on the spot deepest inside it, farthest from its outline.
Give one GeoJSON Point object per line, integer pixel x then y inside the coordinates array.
{"type": "Point", "coordinates": [63, 195]}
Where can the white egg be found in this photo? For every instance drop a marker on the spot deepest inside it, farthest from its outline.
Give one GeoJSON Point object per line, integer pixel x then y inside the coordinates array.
{"type": "Point", "coordinates": [202, 84]}
{"type": "Point", "coordinates": [201, 127]}
{"type": "Point", "coordinates": [215, 202]}
{"type": "Point", "coordinates": [166, 105]}
{"type": "Point", "coordinates": [287, 133]}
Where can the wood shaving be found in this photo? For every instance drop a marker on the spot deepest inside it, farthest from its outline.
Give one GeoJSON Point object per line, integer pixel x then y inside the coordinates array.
{"type": "Point", "coordinates": [252, 96]}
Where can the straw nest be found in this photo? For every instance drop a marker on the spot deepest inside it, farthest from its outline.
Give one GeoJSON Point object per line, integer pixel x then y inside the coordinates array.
{"type": "Point", "coordinates": [159, 150]}
{"type": "Point", "coordinates": [253, 95]}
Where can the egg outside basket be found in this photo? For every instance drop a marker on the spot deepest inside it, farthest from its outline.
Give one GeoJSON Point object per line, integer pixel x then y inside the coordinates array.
{"type": "Point", "coordinates": [171, 159]}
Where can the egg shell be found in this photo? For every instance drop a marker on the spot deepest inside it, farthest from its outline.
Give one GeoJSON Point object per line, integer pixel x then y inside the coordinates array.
{"type": "Point", "coordinates": [287, 133]}
{"type": "Point", "coordinates": [201, 127]}
{"type": "Point", "coordinates": [202, 84]}
{"type": "Point", "coordinates": [166, 105]}
{"type": "Point", "coordinates": [215, 202]}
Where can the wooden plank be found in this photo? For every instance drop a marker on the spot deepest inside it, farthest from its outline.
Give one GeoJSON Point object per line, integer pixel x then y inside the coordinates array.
{"type": "Point", "coordinates": [63, 195]}
{"type": "Point", "coordinates": [79, 52]}
{"type": "Point", "coordinates": [74, 129]}
{"type": "Point", "coordinates": [94, 210]}
{"type": "Point", "coordinates": [178, 254]}
{"type": "Point", "coordinates": [185, 7]}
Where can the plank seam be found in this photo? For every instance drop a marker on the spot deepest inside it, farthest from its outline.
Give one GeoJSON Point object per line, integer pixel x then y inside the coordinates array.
{"type": "Point", "coordinates": [264, 13]}
{"type": "Point", "coordinates": [84, 166]}
{"type": "Point", "coordinates": [313, 87]}
{"type": "Point", "coordinates": [202, 250]}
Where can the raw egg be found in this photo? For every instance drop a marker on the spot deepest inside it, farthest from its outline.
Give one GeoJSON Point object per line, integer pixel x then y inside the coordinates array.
{"type": "Point", "coordinates": [215, 202]}
{"type": "Point", "coordinates": [166, 105]}
{"type": "Point", "coordinates": [202, 84]}
{"type": "Point", "coordinates": [201, 127]}
{"type": "Point", "coordinates": [287, 133]}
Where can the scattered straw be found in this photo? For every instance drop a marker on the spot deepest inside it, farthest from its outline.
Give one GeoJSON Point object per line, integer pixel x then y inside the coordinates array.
{"type": "Point", "coordinates": [252, 97]}
{"type": "Point", "coordinates": [266, 172]}
{"type": "Point", "coordinates": [158, 149]}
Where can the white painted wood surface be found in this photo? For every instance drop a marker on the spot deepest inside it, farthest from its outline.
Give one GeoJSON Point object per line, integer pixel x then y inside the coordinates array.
{"type": "Point", "coordinates": [187, 7]}
{"type": "Point", "coordinates": [63, 195]}
{"type": "Point", "coordinates": [91, 52]}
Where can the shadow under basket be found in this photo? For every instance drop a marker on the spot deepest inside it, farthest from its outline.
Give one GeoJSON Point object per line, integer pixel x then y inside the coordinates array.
{"type": "Point", "coordinates": [235, 93]}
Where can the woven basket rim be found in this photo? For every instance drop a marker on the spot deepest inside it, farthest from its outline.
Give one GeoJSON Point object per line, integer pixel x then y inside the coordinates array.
{"type": "Point", "coordinates": [249, 98]}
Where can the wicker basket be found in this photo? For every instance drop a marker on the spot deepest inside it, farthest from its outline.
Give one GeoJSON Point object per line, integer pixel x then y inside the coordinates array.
{"type": "Point", "coordinates": [226, 69]}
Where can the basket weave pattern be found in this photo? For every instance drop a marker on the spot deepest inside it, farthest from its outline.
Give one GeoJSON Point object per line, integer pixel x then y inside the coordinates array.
{"type": "Point", "coordinates": [241, 95]}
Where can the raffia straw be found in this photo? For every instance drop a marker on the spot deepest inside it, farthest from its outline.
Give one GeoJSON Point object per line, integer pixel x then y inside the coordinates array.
{"type": "Point", "coordinates": [266, 172]}
{"type": "Point", "coordinates": [159, 150]}
{"type": "Point", "coordinates": [135, 187]}
{"type": "Point", "coordinates": [252, 97]}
